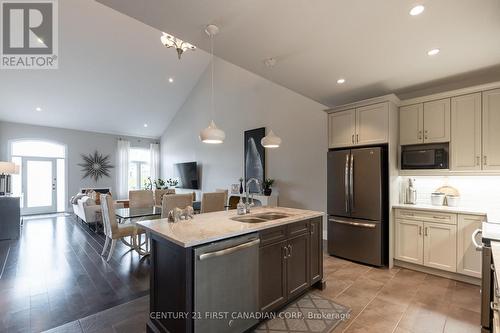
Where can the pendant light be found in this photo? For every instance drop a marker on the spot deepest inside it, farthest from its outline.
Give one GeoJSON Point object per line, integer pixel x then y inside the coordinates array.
{"type": "Point", "coordinates": [271, 140]}
{"type": "Point", "coordinates": [212, 134]}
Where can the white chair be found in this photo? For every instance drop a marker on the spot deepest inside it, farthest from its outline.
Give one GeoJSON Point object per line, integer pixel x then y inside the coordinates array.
{"type": "Point", "coordinates": [114, 230]}
{"type": "Point", "coordinates": [141, 199]}
{"type": "Point", "coordinates": [213, 202]}
{"type": "Point", "coordinates": [170, 202]}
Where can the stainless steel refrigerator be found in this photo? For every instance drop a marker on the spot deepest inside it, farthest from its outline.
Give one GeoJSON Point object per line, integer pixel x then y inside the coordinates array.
{"type": "Point", "coordinates": [357, 204]}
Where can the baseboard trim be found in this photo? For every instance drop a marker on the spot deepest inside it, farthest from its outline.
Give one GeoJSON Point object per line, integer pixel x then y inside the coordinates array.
{"type": "Point", "coordinates": [433, 271]}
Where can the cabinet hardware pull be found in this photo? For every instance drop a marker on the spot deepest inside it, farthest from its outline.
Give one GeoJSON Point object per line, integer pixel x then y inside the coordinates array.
{"type": "Point", "coordinates": [352, 138]}
{"type": "Point", "coordinates": [494, 306]}
{"type": "Point", "coordinates": [420, 230]}
{"type": "Point", "coordinates": [440, 217]}
{"type": "Point", "coordinates": [420, 135]}
{"type": "Point", "coordinates": [286, 252]}
{"type": "Point", "coordinates": [357, 138]}
{"type": "Point", "coordinates": [426, 231]}
{"type": "Point", "coordinates": [290, 250]}
{"type": "Point", "coordinates": [485, 160]}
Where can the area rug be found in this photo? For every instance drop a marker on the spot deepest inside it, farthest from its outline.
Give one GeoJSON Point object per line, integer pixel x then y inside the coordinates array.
{"type": "Point", "coordinates": [310, 313]}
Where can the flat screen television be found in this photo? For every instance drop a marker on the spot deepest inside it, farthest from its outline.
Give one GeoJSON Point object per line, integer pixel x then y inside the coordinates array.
{"type": "Point", "coordinates": [187, 173]}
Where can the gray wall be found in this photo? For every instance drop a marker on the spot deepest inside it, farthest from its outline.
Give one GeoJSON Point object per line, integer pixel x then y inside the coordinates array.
{"type": "Point", "coordinates": [77, 142]}
{"type": "Point", "coordinates": [245, 101]}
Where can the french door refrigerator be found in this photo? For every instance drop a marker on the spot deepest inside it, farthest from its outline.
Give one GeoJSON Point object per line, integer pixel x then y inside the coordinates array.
{"type": "Point", "coordinates": [357, 204]}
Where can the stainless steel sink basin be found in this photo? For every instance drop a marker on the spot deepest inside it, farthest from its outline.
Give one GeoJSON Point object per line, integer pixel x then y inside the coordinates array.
{"type": "Point", "coordinates": [258, 218]}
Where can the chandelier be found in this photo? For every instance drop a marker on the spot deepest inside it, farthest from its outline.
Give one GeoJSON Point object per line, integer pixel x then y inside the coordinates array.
{"type": "Point", "coordinates": [180, 45]}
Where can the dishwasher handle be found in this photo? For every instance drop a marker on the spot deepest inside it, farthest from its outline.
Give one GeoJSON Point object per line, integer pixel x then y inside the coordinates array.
{"type": "Point", "coordinates": [229, 250]}
{"type": "Point", "coordinates": [476, 245]}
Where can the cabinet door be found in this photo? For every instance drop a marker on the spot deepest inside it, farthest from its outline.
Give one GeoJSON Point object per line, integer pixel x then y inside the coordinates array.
{"type": "Point", "coordinates": [273, 292]}
{"type": "Point", "coordinates": [440, 246]}
{"type": "Point", "coordinates": [297, 265]}
{"type": "Point", "coordinates": [409, 241]}
{"type": "Point", "coordinates": [466, 132]}
{"type": "Point", "coordinates": [372, 124]}
{"type": "Point", "coordinates": [437, 121]}
{"type": "Point", "coordinates": [341, 128]}
{"type": "Point", "coordinates": [491, 130]}
{"type": "Point", "coordinates": [411, 124]}
{"type": "Point", "coordinates": [468, 259]}
{"type": "Point", "coordinates": [316, 250]}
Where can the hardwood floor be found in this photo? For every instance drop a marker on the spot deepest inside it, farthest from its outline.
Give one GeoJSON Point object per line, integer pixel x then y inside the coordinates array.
{"type": "Point", "coordinates": [54, 274]}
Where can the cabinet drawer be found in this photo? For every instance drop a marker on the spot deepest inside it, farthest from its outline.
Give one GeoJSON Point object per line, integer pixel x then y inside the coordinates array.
{"type": "Point", "coordinates": [298, 228]}
{"type": "Point", "coordinates": [273, 235]}
{"type": "Point", "coordinates": [427, 216]}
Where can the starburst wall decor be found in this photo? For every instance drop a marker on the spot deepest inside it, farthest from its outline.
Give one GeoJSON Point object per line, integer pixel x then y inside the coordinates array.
{"type": "Point", "coordinates": [96, 166]}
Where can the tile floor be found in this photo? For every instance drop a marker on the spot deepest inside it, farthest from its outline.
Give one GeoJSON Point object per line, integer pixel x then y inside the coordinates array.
{"type": "Point", "coordinates": [400, 300]}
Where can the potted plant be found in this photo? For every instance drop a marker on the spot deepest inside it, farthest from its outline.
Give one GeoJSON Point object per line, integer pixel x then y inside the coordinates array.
{"type": "Point", "coordinates": [268, 182]}
{"type": "Point", "coordinates": [159, 184]}
{"type": "Point", "coordinates": [172, 182]}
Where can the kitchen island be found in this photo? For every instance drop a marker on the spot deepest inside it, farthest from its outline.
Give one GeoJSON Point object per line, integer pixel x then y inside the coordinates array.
{"type": "Point", "coordinates": [217, 274]}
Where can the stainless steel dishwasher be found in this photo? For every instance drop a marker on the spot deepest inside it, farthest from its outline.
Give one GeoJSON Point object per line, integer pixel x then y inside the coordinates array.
{"type": "Point", "coordinates": [226, 285]}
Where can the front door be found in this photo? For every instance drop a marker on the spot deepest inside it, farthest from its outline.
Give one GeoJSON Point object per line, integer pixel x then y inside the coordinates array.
{"type": "Point", "coordinates": [39, 185]}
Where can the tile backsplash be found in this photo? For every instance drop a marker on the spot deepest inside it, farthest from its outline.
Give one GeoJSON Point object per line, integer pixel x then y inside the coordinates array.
{"type": "Point", "coordinates": [477, 192]}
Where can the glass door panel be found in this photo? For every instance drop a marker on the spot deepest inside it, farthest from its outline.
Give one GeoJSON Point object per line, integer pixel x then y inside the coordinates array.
{"type": "Point", "coordinates": [40, 185]}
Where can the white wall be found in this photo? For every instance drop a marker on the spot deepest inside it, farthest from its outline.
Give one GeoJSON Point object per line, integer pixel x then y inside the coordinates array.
{"type": "Point", "coordinates": [246, 101]}
{"type": "Point", "coordinates": [476, 192]}
{"type": "Point", "coordinates": [77, 142]}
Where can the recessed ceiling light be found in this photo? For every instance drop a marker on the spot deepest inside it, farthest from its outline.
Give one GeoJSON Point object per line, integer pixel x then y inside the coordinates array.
{"type": "Point", "coordinates": [145, 125]}
{"type": "Point", "coordinates": [433, 52]}
{"type": "Point", "coordinates": [417, 10]}
{"type": "Point", "coordinates": [341, 81]}
{"type": "Point", "coordinates": [170, 79]}
{"type": "Point", "coordinates": [38, 109]}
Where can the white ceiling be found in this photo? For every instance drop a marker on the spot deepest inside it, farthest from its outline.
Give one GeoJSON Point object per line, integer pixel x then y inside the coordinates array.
{"type": "Point", "coordinates": [112, 77]}
{"type": "Point", "coordinates": [375, 45]}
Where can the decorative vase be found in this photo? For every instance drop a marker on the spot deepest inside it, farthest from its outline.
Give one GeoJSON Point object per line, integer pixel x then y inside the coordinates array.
{"type": "Point", "coordinates": [268, 191]}
{"type": "Point", "coordinates": [241, 187]}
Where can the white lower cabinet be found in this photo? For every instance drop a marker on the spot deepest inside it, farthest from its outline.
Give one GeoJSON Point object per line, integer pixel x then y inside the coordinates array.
{"type": "Point", "coordinates": [409, 241]}
{"type": "Point", "coordinates": [469, 259]}
{"type": "Point", "coordinates": [425, 239]}
{"type": "Point", "coordinates": [440, 246]}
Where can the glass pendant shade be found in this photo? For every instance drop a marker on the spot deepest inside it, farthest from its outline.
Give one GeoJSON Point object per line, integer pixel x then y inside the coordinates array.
{"type": "Point", "coordinates": [212, 134]}
{"type": "Point", "coordinates": [178, 44]}
{"type": "Point", "coordinates": [271, 140]}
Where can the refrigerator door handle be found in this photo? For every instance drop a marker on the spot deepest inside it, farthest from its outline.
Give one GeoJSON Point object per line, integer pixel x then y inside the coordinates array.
{"type": "Point", "coordinates": [351, 182]}
{"type": "Point", "coordinates": [356, 224]}
{"type": "Point", "coordinates": [346, 180]}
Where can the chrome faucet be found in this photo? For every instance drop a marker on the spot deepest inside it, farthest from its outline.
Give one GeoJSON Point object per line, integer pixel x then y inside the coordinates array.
{"type": "Point", "coordinates": [247, 203]}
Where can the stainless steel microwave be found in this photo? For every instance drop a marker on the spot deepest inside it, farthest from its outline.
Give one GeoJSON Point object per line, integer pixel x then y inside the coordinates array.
{"type": "Point", "coordinates": [429, 156]}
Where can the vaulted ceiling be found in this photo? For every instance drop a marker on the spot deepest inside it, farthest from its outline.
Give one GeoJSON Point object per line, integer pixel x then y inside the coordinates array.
{"type": "Point", "coordinates": [375, 45]}
{"type": "Point", "coordinates": [112, 77]}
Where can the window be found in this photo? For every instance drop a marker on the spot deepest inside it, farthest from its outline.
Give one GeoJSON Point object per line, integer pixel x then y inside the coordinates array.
{"type": "Point", "coordinates": [138, 169]}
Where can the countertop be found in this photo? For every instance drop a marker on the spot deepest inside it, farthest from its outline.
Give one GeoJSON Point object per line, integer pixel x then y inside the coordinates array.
{"type": "Point", "coordinates": [209, 227]}
{"type": "Point", "coordinates": [457, 210]}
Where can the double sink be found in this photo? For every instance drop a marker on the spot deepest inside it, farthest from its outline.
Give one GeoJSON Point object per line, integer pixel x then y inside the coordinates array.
{"type": "Point", "coordinates": [262, 217]}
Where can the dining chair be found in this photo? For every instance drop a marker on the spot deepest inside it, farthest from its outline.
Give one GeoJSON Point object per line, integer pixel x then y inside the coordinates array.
{"type": "Point", "coordinates": [116, 231]}
{"type": "Point", "coordinates": [213, 202]}
{"type": "Point", "coordinates": [160, 193]}
{"type": "Point", "coordinates": [141, 199]}
{"type": "Point", "coordinates": [170, 202]}
{"type": "Point", "coordinates": [226, 194]}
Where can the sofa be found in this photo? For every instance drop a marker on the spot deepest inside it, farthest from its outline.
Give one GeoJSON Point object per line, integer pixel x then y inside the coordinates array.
{"type": "Point", "coordinates": [87, 210]}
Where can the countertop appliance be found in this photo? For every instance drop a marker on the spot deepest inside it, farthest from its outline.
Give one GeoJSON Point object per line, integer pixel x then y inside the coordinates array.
{"type": "Point", "coordinates": [226, 279]}
{"type": "Point", "coordinates": [428, 156]}
{"type": "Point", "coordinates": [357, 204]}
{"type": "Point", "coordinates": [489, 232]}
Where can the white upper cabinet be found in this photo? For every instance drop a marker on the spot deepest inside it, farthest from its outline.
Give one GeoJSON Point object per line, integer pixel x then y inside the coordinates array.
{"type": "Point", "coordinates": [411, 124]}
{"type": "Point", "coordinates": [372, 124]}
{"type": "Point", "coordinates": [365, 125]}
{"type": "Point", "coordinates": [425, 122]}
{"type": "Point", "coordinates": [491, 130]}
{"type": "Point", "coordinates": [466, 132]}
{"type": "Point", "coordinates": [341, 128]}
{"type": "Point", "coordinates": [437, 121]}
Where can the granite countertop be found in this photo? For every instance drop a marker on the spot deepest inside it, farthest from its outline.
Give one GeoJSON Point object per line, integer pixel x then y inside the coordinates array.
{"type": "Point", "coordinates": [209, 227]}
{"type": "Point", "coordinates": [446, 209]}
